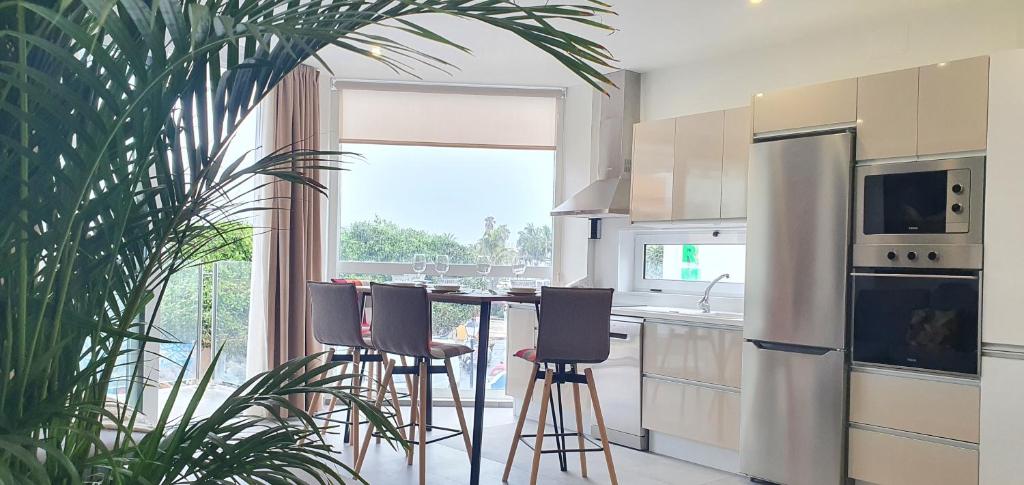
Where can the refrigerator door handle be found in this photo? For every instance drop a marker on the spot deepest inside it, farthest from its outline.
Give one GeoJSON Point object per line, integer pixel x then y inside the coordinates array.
{"type": "Point", "coordinates": [798, 349]}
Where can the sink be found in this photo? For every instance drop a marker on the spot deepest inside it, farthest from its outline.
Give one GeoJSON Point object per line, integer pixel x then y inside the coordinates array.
{"type": "Point", "coordinates": [690, 312]}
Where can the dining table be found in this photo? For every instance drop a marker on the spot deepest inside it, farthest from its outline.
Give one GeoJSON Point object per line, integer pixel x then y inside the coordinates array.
{"type": "Point", "coordinates": [483, 300]}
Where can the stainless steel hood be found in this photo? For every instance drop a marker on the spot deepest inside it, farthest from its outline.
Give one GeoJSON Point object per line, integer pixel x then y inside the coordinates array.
{"type": "Point", "coordinates": [612, 141]}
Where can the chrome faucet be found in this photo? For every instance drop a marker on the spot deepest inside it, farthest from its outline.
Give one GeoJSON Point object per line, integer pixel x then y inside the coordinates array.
{"type": "Point", "coordinates": [705, 302]}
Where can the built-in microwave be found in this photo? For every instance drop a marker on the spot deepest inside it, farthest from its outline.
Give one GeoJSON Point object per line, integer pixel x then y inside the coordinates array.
{"type": "Point", "coordinates": [922, 213]}
{"type": "Point", "coordinates": [917, 319]}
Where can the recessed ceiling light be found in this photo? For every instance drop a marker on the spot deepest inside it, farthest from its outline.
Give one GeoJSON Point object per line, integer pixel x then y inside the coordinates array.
{"type": "Point", "coordinates": [376, 51]}
{"type": "Point", "coordinates": [755, 2]}
{"type": "Point", "coordinates": [760, 95]}
{"type": "Point", "coordinates": [941, 64]}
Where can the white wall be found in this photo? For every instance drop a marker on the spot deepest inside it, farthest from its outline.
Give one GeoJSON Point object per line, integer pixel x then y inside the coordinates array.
{"type": "Point", "coordinates": [952, 32]}
{"type": "Point", "coordinates": [963, 30]}
{"type": "Point", "coordinates": [574, 172]}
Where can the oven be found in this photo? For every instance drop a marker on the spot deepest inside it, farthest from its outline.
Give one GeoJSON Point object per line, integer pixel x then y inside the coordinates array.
{"type": "Point", "coordinates": [924, 320]}
{"type": "Point", "coordinates": [922, 213]}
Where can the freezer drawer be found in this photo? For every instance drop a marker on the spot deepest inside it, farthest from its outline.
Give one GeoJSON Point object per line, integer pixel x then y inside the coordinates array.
{"type": "Point", "coordinates": [793, 417]}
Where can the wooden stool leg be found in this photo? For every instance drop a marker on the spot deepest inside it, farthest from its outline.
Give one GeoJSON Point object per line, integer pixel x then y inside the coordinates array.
{"type": "Point", "coordinates": [600, 425]}
{"type": "Point", "coordinates": [519, 422]}
{"type": "Point", "coordinates": [541, 422]}
{"type": "Point", "coordinates": [424, 382]}
{"type": "Point", "coordinates": [377, 403]}
{"type": "Point", "coordinates": [579, 428]}
{"type": "Point", "coordinates": [458, 407]}
{"type": "Point", "coordinates": [414, 394]}
{"type": "Point", "coordinates": [358, 392]}
{"type": "Point", "coordinates": [380, 390]}
{"type": "Point", "coordinates": [317, 400]}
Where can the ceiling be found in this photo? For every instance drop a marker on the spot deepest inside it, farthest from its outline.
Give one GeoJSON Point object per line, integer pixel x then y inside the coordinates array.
{"type": "Point", "coordinates": [651, 34]}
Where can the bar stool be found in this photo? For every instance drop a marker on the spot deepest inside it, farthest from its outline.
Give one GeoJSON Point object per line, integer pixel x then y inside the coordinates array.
{"type": "Point", "coordinates": [401, 323]}
{"type": "Point", "coordinates": [573, 328]}
{"type": "Point", "coordinates": [336, 314]}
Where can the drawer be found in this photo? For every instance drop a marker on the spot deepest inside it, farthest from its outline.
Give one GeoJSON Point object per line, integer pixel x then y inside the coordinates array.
{"type": "Point", "coordinates": [931, 407]}
{"type": "Point", "coordinates": [694, 412]}
{"type": "Point", "coordinates": [695, 353]}
{"type": "Point", "coordinates": [887, 459]}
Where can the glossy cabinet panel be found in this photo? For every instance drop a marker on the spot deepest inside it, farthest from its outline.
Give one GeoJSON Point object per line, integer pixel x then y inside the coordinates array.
{"type": "Point", "coordinates": [1002, 420]}
{"type": "Point", "coordinates": [887, 115]}
{"type": "Point", "coordinates": [698, 413]}
{"type": "Point", "coordinates": [883, 458]}
{"type": "Point", "coordinates": [697, 177]}
{"type": "Point", "coordinates": [522, 333]}
{"type": "Point", "coordinates": [817, 105]}
{"type": "Point", "coordinates": [696, 353]}
{"type": "Point", "coordinates": [735, 158]}
{"type": "Point", "coordinates": [1004, 203]}
{"type": "Point", "coordinates": [953, 106]}
{"type": "Point", "coordinates": [652, 175]}
{"type": "Point", "coordinates": [930, 407]}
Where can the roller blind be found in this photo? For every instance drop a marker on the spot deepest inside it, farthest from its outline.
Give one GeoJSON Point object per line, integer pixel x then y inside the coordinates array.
{"type": "Point", "coordinates": [448, 119]}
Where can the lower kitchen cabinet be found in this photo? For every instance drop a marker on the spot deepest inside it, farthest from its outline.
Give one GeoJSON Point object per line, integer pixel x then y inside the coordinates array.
{"type": "Point", "coordinates": [696, 412]}
{"type": "Point", "coordinates": [695, 352]}
{"type": "Point", "coordinates": [1002, 420]}
{"type": "Point", "coordinates": [889, 459]}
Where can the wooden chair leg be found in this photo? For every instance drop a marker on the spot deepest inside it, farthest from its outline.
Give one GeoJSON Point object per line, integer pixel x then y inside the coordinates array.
{"type": "Point", "coordinates": [380, 390]}
{"type": "Point", "coordinates": [378, 402]}
{"type": "Point", "coordinates": [414, 392]}
{"type": "Point", "coordinates": [599, 416]}
{"type": "Point", "coordinates": [541, 422]}
{"type": "Point", "coordinates": [519, 422]}
{"type": "Point", "coordinates": [354, 411]}
{"type": "Point", "coordinates": [458, 407]}
{"type": "Point", "coordinates": [424, 382]}
{"type": "Point", "coordinates": [579, 429]}
{"type": "Point", "coordinates": [396, 403]}
{"type": "Point", "coordinates": [317, 400]}
{"type": "Point", "coordinates": [334, 399]}
{"type": "Point", "coordinates": [408, 378]}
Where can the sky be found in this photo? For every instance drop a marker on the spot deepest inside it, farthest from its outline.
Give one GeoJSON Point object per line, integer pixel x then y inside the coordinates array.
{"type": "Point", "coordinates": [448, 190]}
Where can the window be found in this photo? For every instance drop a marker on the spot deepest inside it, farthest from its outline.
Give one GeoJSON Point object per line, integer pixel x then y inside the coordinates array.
{"type": "Point", "coordinates": [685, 261]}
{"type": "Point", "coordinates": [446, 171]}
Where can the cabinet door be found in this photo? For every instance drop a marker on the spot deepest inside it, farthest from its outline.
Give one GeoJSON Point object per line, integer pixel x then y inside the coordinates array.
{"type": "Point", "coordinates": [807, 106]}
{"type": "Point", "coordinates": [878, 457]}
{"type": "Point", "coordinates": [697, 184]}
{"type": "Point", "coordinates": [693, 352]}
{"type": "Point", "coordinates": [735, 155]}
{"type": "Point", "coordinates": [1002, 422]}
{"type": "Point", "coordinates": [653, 161]}
{"type": "Point", "coordinates": [887, 115]}
{"type": "Point", "coordinates": [953, 106]}
{"type": "Point", "coordinates": [698, 413]}
{"type": "Point", "coordinates": [522, 334]}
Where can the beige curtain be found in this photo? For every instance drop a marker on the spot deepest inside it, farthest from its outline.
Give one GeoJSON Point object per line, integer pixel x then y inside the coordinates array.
{"type": "Point", "coordinates": [291, 245]}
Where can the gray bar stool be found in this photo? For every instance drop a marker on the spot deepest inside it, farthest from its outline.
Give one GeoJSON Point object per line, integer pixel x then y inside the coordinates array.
{"type": "Point", "coordinates": [573, 329]}
{"type": "Point", "coordinates": [336, 314]}
{"type": "Point", "coordinates": [401, 322]}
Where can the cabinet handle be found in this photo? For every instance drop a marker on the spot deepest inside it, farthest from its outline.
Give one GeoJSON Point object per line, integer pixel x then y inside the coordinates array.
{"type": "Point", "coordinates": [620, 336]}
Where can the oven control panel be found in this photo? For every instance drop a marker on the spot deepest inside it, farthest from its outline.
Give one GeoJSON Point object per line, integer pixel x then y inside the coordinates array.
{"type": "Point", "coordinates": [924, 256]}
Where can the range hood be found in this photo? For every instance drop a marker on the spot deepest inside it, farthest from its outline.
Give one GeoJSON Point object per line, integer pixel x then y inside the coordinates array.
{"type": "Point", "coordinates": [612, 141]}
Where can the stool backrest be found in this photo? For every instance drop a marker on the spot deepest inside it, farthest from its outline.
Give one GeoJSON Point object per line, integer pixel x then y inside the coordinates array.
{"type": "Point", "coordinates": [575, 325]}
{"type": "Point", "coordinates": [401, 320]}
{"type": "Point", "coordinates": [336, 315]}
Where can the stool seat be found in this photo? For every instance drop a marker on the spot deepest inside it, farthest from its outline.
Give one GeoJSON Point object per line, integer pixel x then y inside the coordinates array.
{"type": "Point", "coordinates": [529, 354]}
{"type": "Point", "coordinates": [443, 350]}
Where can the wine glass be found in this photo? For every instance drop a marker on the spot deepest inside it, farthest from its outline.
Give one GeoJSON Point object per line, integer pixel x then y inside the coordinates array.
{"type": "Point", "coordinates": [483, 268]}
{"type": "Point", "coordinates": [419, 265]}
{"type": "Point", "coordinates": [519, 265]}
{"type": "Point", "coordinates": [441, 264]}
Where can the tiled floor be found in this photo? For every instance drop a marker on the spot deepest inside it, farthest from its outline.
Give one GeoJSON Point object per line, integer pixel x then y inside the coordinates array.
{"type": "Point", "coordinates": [448, 463]}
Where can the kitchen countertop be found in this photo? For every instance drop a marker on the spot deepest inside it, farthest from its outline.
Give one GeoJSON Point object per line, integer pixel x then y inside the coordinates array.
{"type": "Point", "coordinates": [676, 314]}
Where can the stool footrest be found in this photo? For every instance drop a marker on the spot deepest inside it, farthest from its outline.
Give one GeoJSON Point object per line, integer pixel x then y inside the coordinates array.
{"type": "Point", "coordinates": [452, 433]}
{"type": "Point", "coordinates": [524, 441]}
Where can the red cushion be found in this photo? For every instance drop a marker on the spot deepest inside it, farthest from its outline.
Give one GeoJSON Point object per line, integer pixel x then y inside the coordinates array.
{"type": "Point", "coordinates": [343, 281]}
{"type": "Point", "coordinates": [527, 354]}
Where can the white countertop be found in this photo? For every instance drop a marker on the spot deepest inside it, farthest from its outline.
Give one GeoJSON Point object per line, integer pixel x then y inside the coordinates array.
{"type": "Point", "coordinates": [676, 314]}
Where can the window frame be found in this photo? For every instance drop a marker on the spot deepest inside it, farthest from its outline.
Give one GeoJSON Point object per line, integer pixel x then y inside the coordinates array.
{"type": "Point", "coordinates": [704, 236]}
{"type": "Point", "coordinates": [334, 266]}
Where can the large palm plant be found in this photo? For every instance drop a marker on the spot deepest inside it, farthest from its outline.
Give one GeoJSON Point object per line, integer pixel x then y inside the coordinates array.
{"type": "Point", "coordinates": [114, 120]}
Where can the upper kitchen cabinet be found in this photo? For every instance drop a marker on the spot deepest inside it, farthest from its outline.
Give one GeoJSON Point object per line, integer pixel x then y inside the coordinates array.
{"type": "Point", "coordinates": [817, 105]}
{"type": "Point", "coordinates": [735, 156]}
{"type": "Point", "coordinates": [653, 164]}
{"type": "Point", "coordinates": [953, 106]}
{"type": "Point", "coordinates": [887, 115]}
{"type": "Point", "coordinates": [697, 175]}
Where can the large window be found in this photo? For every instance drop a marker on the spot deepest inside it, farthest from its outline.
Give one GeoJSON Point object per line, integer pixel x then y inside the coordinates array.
{"type": "Point", "coordinates": [462, 176]}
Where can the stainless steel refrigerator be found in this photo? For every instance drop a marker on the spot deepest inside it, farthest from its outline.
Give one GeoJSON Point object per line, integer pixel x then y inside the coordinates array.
{"type": "Point", "coordinates": [794, 359]}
